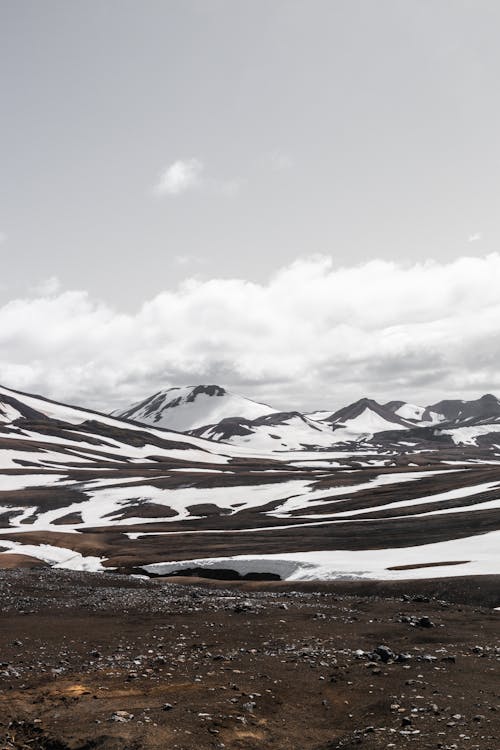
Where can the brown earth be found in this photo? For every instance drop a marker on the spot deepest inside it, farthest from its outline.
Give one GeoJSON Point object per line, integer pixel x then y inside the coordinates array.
{"type": "Point", "coordinates": [12, 560]}
{"type": "Point", "coordinates": [247, 666]}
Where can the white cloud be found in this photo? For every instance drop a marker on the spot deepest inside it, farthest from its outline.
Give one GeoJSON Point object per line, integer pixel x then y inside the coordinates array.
{"type": "Point", "coordinates": [3, 238]}
{"type": "Point", "coordinates": [180, 177]}
{"type": "Point", "coordinates": [476, 237]}
{"type": "Point", "coordinates": [313, 334]}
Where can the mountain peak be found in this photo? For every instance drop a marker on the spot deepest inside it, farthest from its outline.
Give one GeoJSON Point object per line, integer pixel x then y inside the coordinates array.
{"type": "Point", "coordinates": [186, 408]}
{"type": "Point", "coordinates": [489, 398]}
{"type": "Point", "coordinates": [207, 390]}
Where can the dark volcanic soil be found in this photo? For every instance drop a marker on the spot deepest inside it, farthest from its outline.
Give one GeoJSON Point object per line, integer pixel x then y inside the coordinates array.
{"type": "Point", "coordinates": [103, 661]}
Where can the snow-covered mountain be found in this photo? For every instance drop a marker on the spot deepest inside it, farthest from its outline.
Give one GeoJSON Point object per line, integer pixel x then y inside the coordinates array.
{"type": "Point", "coordinates": [365, 418]}
{"type": "Point", "coordinates": [211, 412]}
{"type": "Point", "coordinates": [455, 410]}
{"type": "Point", "coordinates": [35, 431]}
{"type": "Point", "coordinates": [278, 431]}
{"type": "Point", "coordinates": [190, 407]}
{"type": "Point", "coordinates": [296, 431]}
{"type": "Point", "coordinates": [83, 490]}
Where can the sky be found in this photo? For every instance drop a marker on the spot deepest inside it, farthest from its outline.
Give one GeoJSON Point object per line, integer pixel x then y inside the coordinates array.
{"type": "Point", "coordinates": [298, 200]}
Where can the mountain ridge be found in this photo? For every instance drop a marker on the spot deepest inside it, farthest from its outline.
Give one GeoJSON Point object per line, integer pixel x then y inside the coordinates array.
{"type": "Point", "coordinates": [258, 426]}
{"type": "Point", "coordinates": [87, 491]}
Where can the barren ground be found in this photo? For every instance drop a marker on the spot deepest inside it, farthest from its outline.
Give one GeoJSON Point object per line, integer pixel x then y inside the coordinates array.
{"type": "Point", "coordinates": [246, 666]}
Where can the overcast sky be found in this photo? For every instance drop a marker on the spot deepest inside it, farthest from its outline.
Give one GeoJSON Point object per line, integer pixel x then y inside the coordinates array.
{"type": "Point", "coordinates": [297, 200]}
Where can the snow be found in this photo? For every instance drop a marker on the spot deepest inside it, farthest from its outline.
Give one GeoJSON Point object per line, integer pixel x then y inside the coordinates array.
{"type": "Point", "coordinates": [319, 416]}
{"type": "Point", "coordinates": [482, 553]}
{"type": "Point", "coordinates": [58, 557]}
{"type": "Point", "coordinates": [9, 482]}
{"type": "Point", "coordinates": [112, 450]}
{"type": "Point", "coordinates": [103, 501]}
{"type": "Point", "coordinates": [410, 411]}
{"type": "Point", "coordinates": [366, 424]}
{"type": "Point", "coordinates": [416, 413]}
{"type": "Point", "coordinates": [317, 497]}
{"type": "Point", "coordinates": [208, 452]}
{"type": "Point", "coordinates": [458, 493]}
{"type": "Point", "coordinates": [289, 435]}
{"type": "Point", "coordinates": [8, 413]}
{"type": "Point", "coordinates": [103, 497]}
{"type": "Point", "coordinates": [51, 409]}
{"type": "Point", "coordinates": [316, 464]}
{"type": "Point", "coordinates": [468, 435]}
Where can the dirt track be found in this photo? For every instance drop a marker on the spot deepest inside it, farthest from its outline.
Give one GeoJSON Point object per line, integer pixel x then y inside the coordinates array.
{"type": "Point", "coordinates": [243, 667]}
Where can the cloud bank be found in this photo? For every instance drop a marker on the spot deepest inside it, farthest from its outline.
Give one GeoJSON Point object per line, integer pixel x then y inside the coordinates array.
{"type": "Point", "coordinates": [312, 335]}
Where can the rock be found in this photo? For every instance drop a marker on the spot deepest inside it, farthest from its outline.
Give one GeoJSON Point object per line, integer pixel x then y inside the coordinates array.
{"type": "Point", "coordinates": [122, 716]}
{"type": "Point", "coordinates": [167, 707]}
{"type": "Point", "coordinates": [403, 658]}
{"type": "Point", "coordinates": [385, 653]}
{"type": "Point", "coordinates": [425, 622]}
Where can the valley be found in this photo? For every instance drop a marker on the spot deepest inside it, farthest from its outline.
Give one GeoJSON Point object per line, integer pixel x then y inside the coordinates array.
{"type": "Point", "coordinates": [89, 491]}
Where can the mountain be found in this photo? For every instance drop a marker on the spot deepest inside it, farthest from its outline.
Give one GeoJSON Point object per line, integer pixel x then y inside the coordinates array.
{"type": "Point", "coordinates": [279, 431]}
{"type": "Point", "coordinates": [211, 412]}
{"type": "Point", "coordinates": [363, 419]}
{"type": "Point", "coordinates": [407, 412]}
{"type": "Point", "coordinates": [462, 411]}
{"type": "Point", "coordinates": [38, 431]}
{"type": "Point", "coordinates": [190, 407]}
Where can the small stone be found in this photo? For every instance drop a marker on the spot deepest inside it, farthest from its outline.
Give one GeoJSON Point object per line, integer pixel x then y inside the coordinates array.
{"type": "Point", "coordinates": [122, 716]}
{"type": "Point", "coordinates": [425, 622]}
{"type": "Point", "coordinates": [385, 653]}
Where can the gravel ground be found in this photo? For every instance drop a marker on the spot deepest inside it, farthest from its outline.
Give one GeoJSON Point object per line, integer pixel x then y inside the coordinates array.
{"type": "Point", "coordinates": [105, 661]}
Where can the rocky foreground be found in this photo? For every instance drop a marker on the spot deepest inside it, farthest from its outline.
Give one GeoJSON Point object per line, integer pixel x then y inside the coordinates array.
{"type": "Point", "coordinates": [104, 661]}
